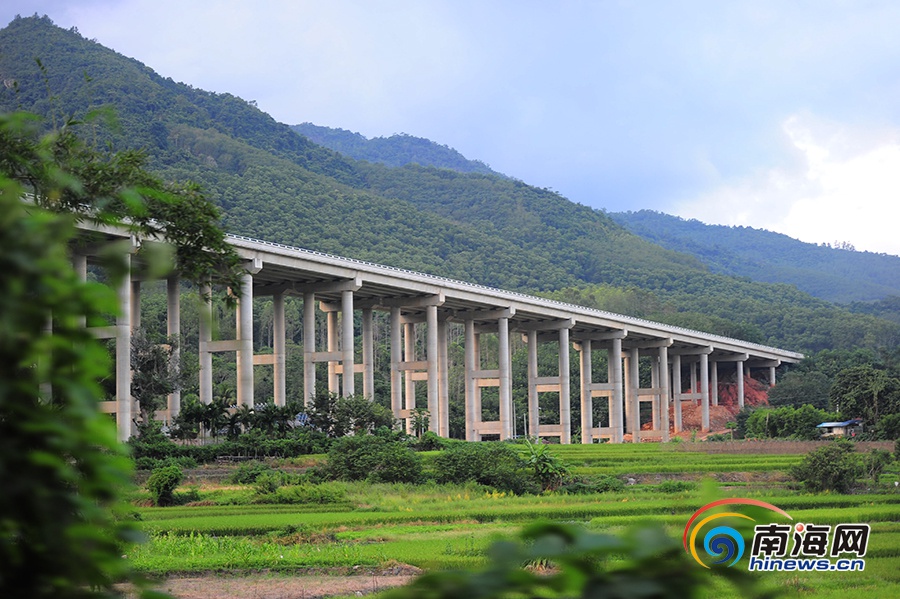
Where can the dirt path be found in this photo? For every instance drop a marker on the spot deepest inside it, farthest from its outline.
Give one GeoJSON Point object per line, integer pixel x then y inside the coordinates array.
{"type": "Point", "coordinates": [279, 586]}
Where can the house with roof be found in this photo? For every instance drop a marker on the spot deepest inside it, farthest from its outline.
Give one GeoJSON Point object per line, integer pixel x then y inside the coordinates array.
{"type": "Point", "coordinates": [848, 428]}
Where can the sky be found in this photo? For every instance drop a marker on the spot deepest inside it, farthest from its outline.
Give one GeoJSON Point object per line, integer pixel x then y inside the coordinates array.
{"type": "Point", "coordinates": [776, 115]}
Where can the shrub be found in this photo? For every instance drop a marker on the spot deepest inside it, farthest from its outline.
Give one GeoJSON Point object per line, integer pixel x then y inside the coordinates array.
{"type": "Point", "coordinates": [325, 493]}
{"type": "Point", "coordinates": [496, 465]}
{"type": "Point", "coordinates": [269, 481]}
{"type": "Point", "coordinates": [888, 427]}
{"type": "Point", "coordinates": [248, 472]}
{"type": "Point", "coordinates": [163, 482]}
{"type": "Point", "coordinates": [429, 442]}
{"type": "Point", "coordinates": [834, 467]}
{"type": "Point", "coordinates": [675, 486]}
{"type": "Point", "coordinates": [584, 486]}
{"type": "Point", "coordinates": [875, 462]}
{"type": "Point", "coordinates": [374, 459]}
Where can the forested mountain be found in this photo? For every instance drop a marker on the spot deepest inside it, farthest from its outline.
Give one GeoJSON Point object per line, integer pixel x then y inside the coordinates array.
{"type": "Point", "coordinates": [838, 275]}
{"type": "Point", "coordinates": [396, 150]}
{"type": "Point", "coordinates": [275, 184]}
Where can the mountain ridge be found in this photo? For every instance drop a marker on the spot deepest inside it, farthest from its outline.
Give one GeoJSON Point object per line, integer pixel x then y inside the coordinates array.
{"type": "Point", "coordinates": [835, 274]}
{"type": "Point", "coordinates": [274, 184]}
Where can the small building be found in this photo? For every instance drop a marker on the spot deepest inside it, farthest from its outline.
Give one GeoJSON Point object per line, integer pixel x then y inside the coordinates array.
{"type": "Point", "coordinates": [849, 428]}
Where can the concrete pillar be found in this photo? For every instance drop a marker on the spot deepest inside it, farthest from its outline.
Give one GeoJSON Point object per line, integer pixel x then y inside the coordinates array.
{"type": "Point", "coordinates": [206, 386]}
{"type": "Point", "coordinates": [431, 349]}
{"type": "Point", "coordinates": [123, 357]}
{"type": "Point", "coordinates": [79, 263]}
{"type": "Point", "coordinates": [714, 382]}
{"type": "Point", "coordinates": [694, 383]}
{"type": "Point", "coordinates": [279, 333]}
{"type": "Point", "coordinates": [664, 391]}
{"type": "Point", "coordinates": [740, 383]}
{"type": "Point", "coordinates": [771, 376]}
{"type": "Point", "coordinates": [587, 415]}
{"type": "Point", "coordinates": [347, 340]}
{"type": "Point", "coordinates": [657, 400]}
{"type": "Point", "coordinates": [245, 340]}
{"type": "Point", "coordinates": [615, 414]}
{"type": "Point", "coordinates": [173, 329]}
{"type": "Point", "coordinates": [409, 355]}
{"type": "Point", "coordinates": [534, 413]}
{"type": "Point", "coordinates": [633, 374]}
{"type": "Point", "coordinates": [704, 391]}
{"type": "Point", "coordinates": [331, 332]}
{"type": "Point", "coordinates": [443, 380]}
{"type": "Point", "coordinates": [471, 365]}
{"type": "Point", "coordinates": [677, 388]}
{"type": "Point", "coordinates": [368, 358]}
{"type": "Point", "coordinates": [135, 305]}
{"type": "Point", "coordinates": [505, 380]}
{"type": "Point", "coordinates": [309, 347]}
{"type": "Point", "coordinates": [565, 401]}
{"type": "Point", "coordinates": [396, 357]}
{"type": "Point", "coordinates": [477, 398]}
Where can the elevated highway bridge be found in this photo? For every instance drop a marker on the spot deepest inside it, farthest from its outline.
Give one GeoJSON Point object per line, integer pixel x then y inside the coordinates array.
{"type": "Point", "coordinates": [684, 364]}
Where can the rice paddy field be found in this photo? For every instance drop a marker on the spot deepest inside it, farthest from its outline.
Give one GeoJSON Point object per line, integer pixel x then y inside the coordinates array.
{"type": "Point", "coordinates": [345, 527]}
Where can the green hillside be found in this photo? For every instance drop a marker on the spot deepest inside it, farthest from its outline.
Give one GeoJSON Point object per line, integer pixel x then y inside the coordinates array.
{"type": "Point", "coordinates": [838, 275]}
{"type": "Point", "coordinates": [396, 150]}
{"type": "Point", "coordinates": [275, 184]}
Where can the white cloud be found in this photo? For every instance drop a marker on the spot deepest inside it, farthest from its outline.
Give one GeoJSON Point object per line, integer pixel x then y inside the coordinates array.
{"type": "Point", "coordinates": [846, 188]}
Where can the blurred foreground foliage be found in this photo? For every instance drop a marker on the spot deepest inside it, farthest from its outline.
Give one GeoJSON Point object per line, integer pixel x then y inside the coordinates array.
{"type": "Point", "coordinates": [561, 560]}
{"type": "Point", "coordinates": [63, 523]}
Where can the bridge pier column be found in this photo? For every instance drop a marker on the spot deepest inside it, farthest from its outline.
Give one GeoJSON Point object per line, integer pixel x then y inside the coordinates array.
{"type": "Point", "coordinates": [664, 391]}
{"type": "Point", "coordinates": [657, 401]}
{"type": "Point", "coordinates": [565, 402]}
{"type": "Point", "coordinates": [347, 349]}
{"type": "Point", "coordinates": [740, 383]}
{"type": "Point", "coordinates": [173, 329]}
{"type": "Point", "coordinates": [368, 357]}
{"type": "Point", "coordinates": [279, 333]}
{"type": "Point", "coordinates": [534, 414]}
{"type": "Point", "coordinates": [123, 356]}
{"type": "Point", "coordinates": [396, 358]}
{"type": "Point", "coordinates": [677, 389]}
{"type": "Point", "coordinates": [135, 305]}
{"type": "Point", "coordinates": [431, 356]}
{"type": "Point", "coordinates": [505, 380]}
{"type": "Point", "coordinates": [771, 376]}
{"type": "Point", "coordinates": [616, 422]}
{"type": "Point", "coordinates": [471, 365]}
{"type": "Point", "coordinates": [206, 392]}
{"type": "Point", "coordinates": [409, 355]}
{"type": "Point", "coordinates": [714, 382]}
{"type": "Point", "coordinates": [331, 332]}
{"type": "Point", "coordinates": [309, 347]}
{"type": "Point", "coordinates": [704, 391]}
{"type": "Point", "coordinates": [443, 378]}
{"type": "Point", "coordinates": [244, 330]}
{"type": "Point", "coordinates": [587, 404]}
{"type": "Point", "coordinates": [632, 399]}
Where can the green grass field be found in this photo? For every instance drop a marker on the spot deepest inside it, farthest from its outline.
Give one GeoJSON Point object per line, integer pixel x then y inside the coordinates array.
{"type": "Point", "coordinates": [437, 527]}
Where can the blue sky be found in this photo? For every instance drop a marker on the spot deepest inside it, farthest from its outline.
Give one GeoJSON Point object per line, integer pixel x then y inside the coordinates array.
{"type": "Point", "coordinates": [772, 114]}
